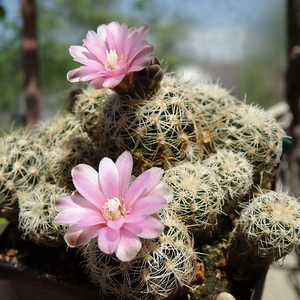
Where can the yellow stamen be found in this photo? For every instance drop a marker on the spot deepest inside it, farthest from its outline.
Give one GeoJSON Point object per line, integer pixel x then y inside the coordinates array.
{"type": "Point", "coordinates": [113, 209]}
{"type": "Point", "coordinates": [112, 60]}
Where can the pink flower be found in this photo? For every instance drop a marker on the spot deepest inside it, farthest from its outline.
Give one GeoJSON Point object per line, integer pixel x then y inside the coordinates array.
{"type": "Point", "coordinates": [110, 54]}
{"type": "Point", "coordinates": [114, 208]}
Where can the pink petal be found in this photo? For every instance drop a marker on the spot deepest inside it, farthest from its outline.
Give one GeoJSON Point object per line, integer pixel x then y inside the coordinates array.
{"type": "Point", "coordinates": [114, 27]}
{"type": "Point", "coordinates": [124, 165]}
{"type": "Point", "coordinates": [128, 246]}
{"type": "Point", "coordinates": [85, 179]}
{"type": "Point", "coordinates": [137, 41]}
{"type": "Point", "coordinates": [113, 81]}
{"type": "Point", "coordinates": [95, 45]}
{"type": "Point", "coordinates": [109, 178]}
{"type": "Point", "coordinates": [164, 190]}
{"type": "Point", "coordinates": [133, 219]}
{"type": "Point", "coordinates": [111, 39]}
{"type": "Point", "coordinates": [91, 220]}
{"type": "Point", "coordinates": [73, 215]}
{"type": "Point", "coordinates": [78, 51]}
{"type": "Point", "coordinates": [76, 236]}
{"type": "Point", "coordinates": [69, 201]}
{"type": "Point", "coordinates": [149, 228]}
{"type": "Point", "coordinates": [148, 205]}
{"type": "Point", "coordinates": [143, 184]}
{"type": "Point", "coordinates": [97, 83]}
{"type": "Point", "coordinates": [108, 240]}
{"type": "Point", "coordinates": [92, 63]}
{"type": "Point", "coordinates": [81, 74]}
{"type": "Point", "coordinates": [116, 224]}
{"type": "Point", "coordinates": [121, 39]}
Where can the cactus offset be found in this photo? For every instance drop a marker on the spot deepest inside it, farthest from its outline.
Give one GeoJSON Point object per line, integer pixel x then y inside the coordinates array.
{"type": "Point", "coordinates": [37, 213]}
{"type": "Point", "coordinates": [234, 174]}
{"type": "Point", "coordinates": [198, 196]}
{"type": "Point", "coordinates": [23, 165]}
{"type": "Point", "coordinates": [268, 230]}
{"type": "Point", "coordinates": [250, 130]}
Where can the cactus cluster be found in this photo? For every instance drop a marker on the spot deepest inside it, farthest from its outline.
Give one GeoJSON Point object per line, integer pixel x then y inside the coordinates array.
{"type": "Point", "coordinates": [214, 149]}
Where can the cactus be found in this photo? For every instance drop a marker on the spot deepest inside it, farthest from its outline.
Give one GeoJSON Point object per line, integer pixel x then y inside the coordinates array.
{"type": "Point", "coordinates": [37, 213]}
{"type": "Point", "coordinates": [198, 196]}
{"type": "Point", "coordinates": [268, 229]}
{"type": "Point", "coordinates": [88, 106]}
{"type": "Point", "coordinates": [58, 129]}
{"type": "Point", "coordinates": [234, 174]}
{"type": "Point", "coordinates": [71, 152]}
{"type": "Point", "coordinates": [163, 267]}
{"type": "Point", "coordinates": [160, 131]}
{"type": "Point", "coordinates": [250, 130]}
{"type": "Point", "coordinates": [23, 165]}
{"type": "Point", "coordinates": [216, 152]}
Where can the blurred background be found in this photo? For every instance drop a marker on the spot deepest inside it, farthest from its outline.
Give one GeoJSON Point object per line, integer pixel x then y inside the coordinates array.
{"type": "Point", "coordinates": [238, 43]}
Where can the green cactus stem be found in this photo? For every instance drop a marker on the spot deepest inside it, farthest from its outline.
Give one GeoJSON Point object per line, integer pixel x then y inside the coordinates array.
{"type": "Point", "coordinates": [197, 196]}
{"type": "Point", "coordinates": [268, 230]}
{"type": "Point", "coordinates": [37, 213]}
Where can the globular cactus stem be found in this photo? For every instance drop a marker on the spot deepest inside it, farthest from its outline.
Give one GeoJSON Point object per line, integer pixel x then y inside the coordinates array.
{"type": "Point", "coordinates": [197, 196]}
{"type": "Point", "coordinates": [22, 166]}
{"type": "Point", "coordinates": [37, 213]}
{"type": "Point", "coordinates": [268, 230]}
{"type": "Point", "coordinates": [160, 131]}
{"type": "Point", "coordinates": [234, 174]}
{"type": "Point", "coordinates": [162, 268]}
{"type": "Point", "coordinates": [250, 130]}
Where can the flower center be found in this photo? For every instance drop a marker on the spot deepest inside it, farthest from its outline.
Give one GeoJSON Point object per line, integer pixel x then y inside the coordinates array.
{"type": "Point", "coordinates": [113, 209]}
{"type": "Point", "coordinates": [113, 61]}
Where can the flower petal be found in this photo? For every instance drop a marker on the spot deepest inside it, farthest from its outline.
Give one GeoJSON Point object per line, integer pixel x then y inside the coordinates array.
{"type": "Point", "coordinates": [133, 219]}
{"type": "Point", "coordinates": [143, 184]}
{"type": "Point", "coordinates": [109, 178]}
{"type": "Point", "coordinates": [108, 240]}
{"type": "Point", "coordinates": [148, 205]}
{"type": "Point", "coordinates": [76, 236]}
{"type": "Point", "coordinates": [97, 83]}
{"type": "Point", "coordinates": [124, 165]}
{"type": "Point", "coordinates": [162, 189]}
{"type": "Point", "coordinates": [73, 215]}
{"type": "Point", "coordinates": [91, 220]}
{"type": "Point", "coordinates": [85, 179]}
{"type": "Point", "coordinates": [81, 74]}
{"type": "Point", "coordinates": [116, 224]}
{"type": "Point", "coordinates": [128, 246]}
{"type": "Point", "coordinates": [69, 201]}
{"type": "Point", "coordinates": [113, 81]}
{"type": "Point", "coordinates": [149, 228]}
